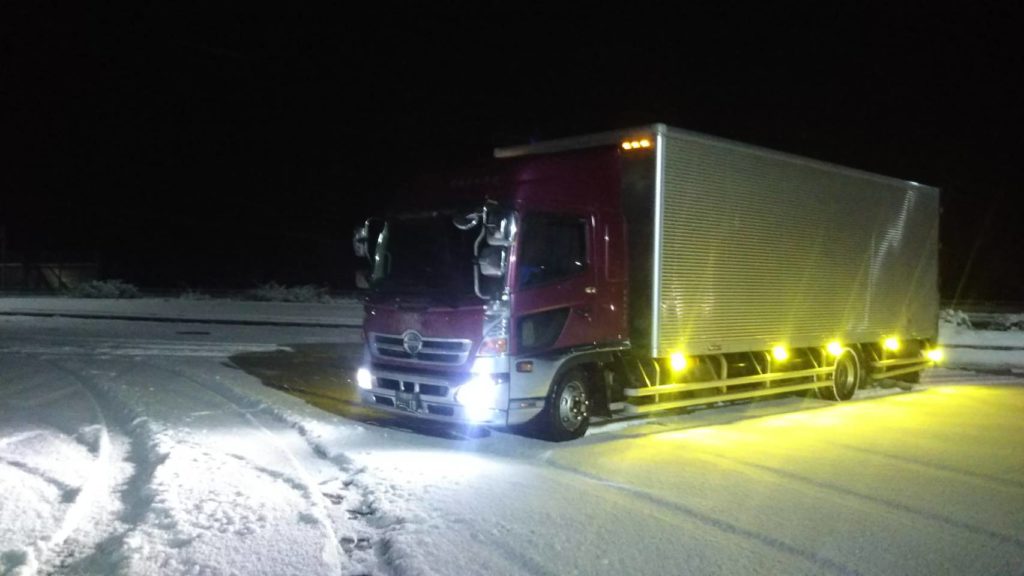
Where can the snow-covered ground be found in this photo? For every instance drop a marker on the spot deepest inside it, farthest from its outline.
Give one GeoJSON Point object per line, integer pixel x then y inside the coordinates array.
{"type": "Point", "coordinates": [990, 349]}
{"type": "Point", "coordinates": [177, 448]}
{"type": "Point", "coordinates": [343, 312]}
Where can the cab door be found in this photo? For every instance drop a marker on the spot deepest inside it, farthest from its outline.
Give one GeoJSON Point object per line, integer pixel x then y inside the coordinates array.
{"type": "Point", "coordinates": [554, 282]}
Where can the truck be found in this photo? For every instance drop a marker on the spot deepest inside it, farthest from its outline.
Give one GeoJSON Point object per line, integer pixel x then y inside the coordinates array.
{"type": "Point", "coordinates": [640, 270]}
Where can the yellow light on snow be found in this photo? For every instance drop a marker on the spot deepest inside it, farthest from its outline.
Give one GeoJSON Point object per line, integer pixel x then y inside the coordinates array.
{"type": "Point", "coordinates": [780, 353]}
{"type": "Point", "coordinates": [677, 361]}
{"type": "Point", "coordinates": [891, 344]}
{"type": "Point", "coordinates": [834, 348]}
{"type": "Point", "coordinates": [935, 354]}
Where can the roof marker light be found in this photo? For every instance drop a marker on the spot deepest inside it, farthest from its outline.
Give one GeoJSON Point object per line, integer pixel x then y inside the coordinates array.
{"type": "Point", "coordinates": [636, 144]}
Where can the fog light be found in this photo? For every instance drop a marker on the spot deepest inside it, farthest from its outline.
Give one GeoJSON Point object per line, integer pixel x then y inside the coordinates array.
{"type": "Point", "coordinates": [364, 379]}
{"type": "Point", "coordinates": [477, 396]}
{"type": "Point", "coordinates": [935, 355]}
{"type": "Point", "coordinates": [677, 362]}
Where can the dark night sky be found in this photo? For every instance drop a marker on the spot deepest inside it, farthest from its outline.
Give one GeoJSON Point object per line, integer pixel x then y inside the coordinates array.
{"type": "Point", "coordinates": [213, 147]}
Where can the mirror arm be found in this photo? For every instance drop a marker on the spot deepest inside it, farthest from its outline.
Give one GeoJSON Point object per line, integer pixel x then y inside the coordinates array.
{"type": "Point", "coordinates": [476, 258]}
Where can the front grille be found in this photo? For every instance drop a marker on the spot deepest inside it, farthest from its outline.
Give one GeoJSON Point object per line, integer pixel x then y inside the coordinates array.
{"type": "Point", "coordinates": [444, 351]}
{"type": "Point", "coordinates": [412, 385]}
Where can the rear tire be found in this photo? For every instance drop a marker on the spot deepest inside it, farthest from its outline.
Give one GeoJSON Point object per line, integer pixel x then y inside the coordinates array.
{"type": "Point", "coordinates": [567, 413]}
{"type": "Point", "coordinates": [845, 379]}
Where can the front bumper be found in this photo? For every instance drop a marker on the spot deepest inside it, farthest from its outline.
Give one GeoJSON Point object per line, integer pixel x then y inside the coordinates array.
{"type": "Point", "coordinates": [431, 397]}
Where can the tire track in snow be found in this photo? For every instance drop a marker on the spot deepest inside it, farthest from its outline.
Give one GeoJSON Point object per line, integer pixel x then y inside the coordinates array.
{"type": "Point", "coordinates": [720, 524]}
{"type": "Point", "coordinates": [68, 492]}
{"type": "Point", "coordinates": [364, 515]}
{"type": "Point", "coordinates": [872, 499]}
{"type": "Point", "coordinates": [991, 479]}
{"type": "Point", "coordinates": [94, 490]}
{"type": "Point", "coordinates": [21, 437]}
{"type": "Point", "coordinates": [133, 490]}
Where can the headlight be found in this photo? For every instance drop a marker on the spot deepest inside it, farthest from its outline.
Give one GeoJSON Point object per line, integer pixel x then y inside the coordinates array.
{"type": "Point", "coordinates": [364, 379]}
{"type": "Point", "coordinates": [478, 396]}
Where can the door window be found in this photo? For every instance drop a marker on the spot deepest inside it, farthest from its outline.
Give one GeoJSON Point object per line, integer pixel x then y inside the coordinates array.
{"type": "Point", "coordinates": [552, 247]}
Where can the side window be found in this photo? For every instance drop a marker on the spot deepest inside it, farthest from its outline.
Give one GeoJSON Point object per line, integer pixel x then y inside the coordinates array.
{"type": "Point", "coordinates": [551, 247]}
{"type": "Point", "coordinates": [541, 330]}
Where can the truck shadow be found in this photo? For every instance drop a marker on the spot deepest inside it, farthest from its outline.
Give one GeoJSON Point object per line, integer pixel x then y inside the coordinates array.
{"type": "Point", "coordinates": [322, 374]}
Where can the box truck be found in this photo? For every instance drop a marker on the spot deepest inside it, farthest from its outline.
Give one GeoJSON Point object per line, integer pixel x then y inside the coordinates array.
{"type": "Point", "coordinates": [640, 270]}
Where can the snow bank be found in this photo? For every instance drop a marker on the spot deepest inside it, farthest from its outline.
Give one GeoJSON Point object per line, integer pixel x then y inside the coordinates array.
{"type": "Point", "coordinates": [991, 350]}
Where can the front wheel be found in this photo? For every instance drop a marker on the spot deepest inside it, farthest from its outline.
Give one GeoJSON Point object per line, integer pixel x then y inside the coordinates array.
{"type": "Point", "coordinates": [567, 414]}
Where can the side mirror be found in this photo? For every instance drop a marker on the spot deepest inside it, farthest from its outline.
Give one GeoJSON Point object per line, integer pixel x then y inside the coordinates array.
{"type": "Point", "coordinates": [364, 238]}
{"type": "Point", "coordinates": [492, 262]}
{"type": "Point", "coordinates": [360, 241]}
{"type": "Point", "coordinates": [502, 232]}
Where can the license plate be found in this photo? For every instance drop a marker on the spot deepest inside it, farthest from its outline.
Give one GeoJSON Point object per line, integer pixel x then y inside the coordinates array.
{"type": "Point", "coordinates": [407, 401]}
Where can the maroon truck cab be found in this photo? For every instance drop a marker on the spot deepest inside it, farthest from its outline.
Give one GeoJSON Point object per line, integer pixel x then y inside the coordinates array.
{"type": "Point", "coordinates": [488, 288]}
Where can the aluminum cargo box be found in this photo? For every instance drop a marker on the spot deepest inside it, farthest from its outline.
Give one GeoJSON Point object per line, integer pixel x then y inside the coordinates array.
{"type": "Point", "coordinates": [753, 248]}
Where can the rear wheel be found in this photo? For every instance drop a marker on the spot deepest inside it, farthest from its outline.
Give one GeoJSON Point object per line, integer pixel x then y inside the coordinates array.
{"type": "Point", "coordinates": [567, 415]}
{"type": "Point", "coordinates": [846, 377]}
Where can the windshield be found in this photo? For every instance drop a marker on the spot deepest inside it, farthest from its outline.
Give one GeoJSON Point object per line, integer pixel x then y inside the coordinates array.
{"type": "Point", "coordinates": [425, 253]}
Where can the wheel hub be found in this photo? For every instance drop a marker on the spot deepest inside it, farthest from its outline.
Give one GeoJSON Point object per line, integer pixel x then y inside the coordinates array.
{"type": "Point", "coordinates": [572, 405]}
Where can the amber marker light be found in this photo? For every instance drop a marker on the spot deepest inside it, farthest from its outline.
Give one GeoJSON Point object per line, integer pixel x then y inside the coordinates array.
{"type": "Point", "coordinates": [891, 344]}
{"type": "Point", "coordinates": [780, 353]}
{"type": "Point", "coordinates": [835, 348]}
{"type": "Point", "coordinates": [677, 362]}
{"type": "Point", "coordinates": [935, 355]}
{"type": "Point", "coordinates": [636, 144]}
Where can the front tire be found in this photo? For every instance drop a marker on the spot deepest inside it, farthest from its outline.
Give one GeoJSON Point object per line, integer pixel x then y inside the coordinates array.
{"type": "Point", "coordinates": [567, 414]}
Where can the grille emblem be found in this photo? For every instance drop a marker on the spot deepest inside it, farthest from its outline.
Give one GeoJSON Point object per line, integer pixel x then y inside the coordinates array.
{"type": "Point", "coordinates": [412, 342]}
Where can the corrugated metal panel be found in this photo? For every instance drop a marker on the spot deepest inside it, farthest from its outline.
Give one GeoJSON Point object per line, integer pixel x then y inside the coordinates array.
{"type": "Point", "coordinates": [759, 248]}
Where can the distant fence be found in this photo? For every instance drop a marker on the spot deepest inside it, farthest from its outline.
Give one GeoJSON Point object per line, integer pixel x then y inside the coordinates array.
{"type": "Point", "coordinates": [46, 276]}
{"type": "Point", "coordinates": [984, 306]}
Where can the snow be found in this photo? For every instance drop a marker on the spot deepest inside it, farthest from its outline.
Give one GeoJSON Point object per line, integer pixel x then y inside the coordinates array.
{"type": "Point", "coordinates": [342, 312]}
{"type": "Point", "coordinates": [990, 350]}
{"type": "Point", "coordinates": [178, 448]}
